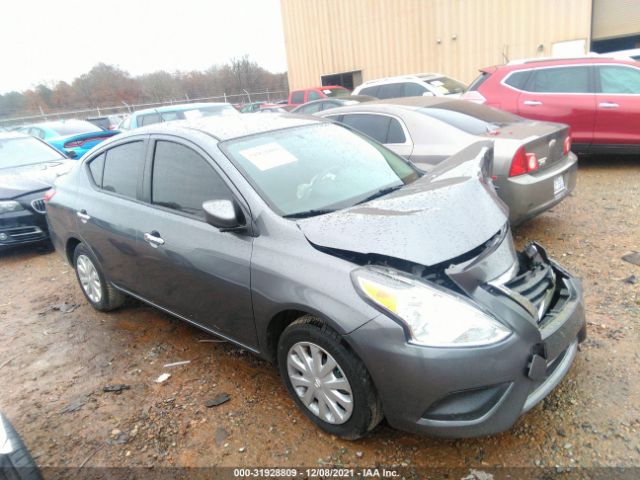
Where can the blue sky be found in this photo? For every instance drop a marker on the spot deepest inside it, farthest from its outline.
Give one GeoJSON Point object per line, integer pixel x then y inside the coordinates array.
{"type": "Point", "coordinates": [45, 41]}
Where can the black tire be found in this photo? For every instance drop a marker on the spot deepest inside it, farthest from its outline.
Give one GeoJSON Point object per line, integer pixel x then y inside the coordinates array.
{"type": "Point", "coordinates": [367, 410]}
{"type": "Point", "coordinates": [16, 464]}
{"type": "Point", "coordinates": [110, 298]}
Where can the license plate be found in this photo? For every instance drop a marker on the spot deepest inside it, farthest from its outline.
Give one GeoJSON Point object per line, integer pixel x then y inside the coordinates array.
{"type": "Point", "coordinates": [558, 185]}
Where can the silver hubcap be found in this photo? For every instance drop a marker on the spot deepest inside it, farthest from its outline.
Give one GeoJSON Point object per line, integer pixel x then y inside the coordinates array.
{"type": "Point", "coordinates": [319, 382]}
{"type": "Point", "coordinates": [89, 278]}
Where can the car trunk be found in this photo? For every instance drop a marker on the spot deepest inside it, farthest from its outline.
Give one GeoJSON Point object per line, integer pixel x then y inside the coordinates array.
{"type": "Point", "coordinates": [544, 139]}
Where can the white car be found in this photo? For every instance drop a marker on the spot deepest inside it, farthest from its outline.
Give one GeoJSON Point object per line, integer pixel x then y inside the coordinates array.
{"type": "Point", "coordinates": [633, 54]}
{"type": "Point", "coordinates": [421, 84]}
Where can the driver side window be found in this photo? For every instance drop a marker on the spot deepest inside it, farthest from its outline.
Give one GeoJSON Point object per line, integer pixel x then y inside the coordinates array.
{"type": "Point", "coordinates": [182, 180]}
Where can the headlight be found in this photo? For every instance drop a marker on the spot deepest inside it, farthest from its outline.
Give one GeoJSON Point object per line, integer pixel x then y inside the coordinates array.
{"type": "Point", "coordinates": [10, 206]}
{"type": "Point", "coordinates": [433, 317]}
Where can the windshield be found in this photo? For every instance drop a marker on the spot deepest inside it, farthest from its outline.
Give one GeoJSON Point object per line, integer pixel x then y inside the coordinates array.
{"type": "Point", "coordinates": [74, 128]}
{"type": "Point", "coordinates": [446, 85]}
{"type": "Point", "coordinates": [318, 168]}
{"type": "Point", "coordinates": [470, 117]}
{"type": "Point", "coordinates": [336, 92]}
{"type": "Point", "coordinates": [17, 152]}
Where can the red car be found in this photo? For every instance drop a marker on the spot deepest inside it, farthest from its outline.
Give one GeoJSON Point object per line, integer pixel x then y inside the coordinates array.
{"type": "Point", "coordinates": [598, 97]}
{"type": "Point", "coordinates": [298, 97]}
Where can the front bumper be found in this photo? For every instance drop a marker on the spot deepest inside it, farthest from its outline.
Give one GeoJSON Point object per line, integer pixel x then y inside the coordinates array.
{"type": "Point", "coordinates": [22, 227]}
{"type": "Point", "coordinates": [531, 194]}
{"type": "Point", "coordinates": [466, 392]}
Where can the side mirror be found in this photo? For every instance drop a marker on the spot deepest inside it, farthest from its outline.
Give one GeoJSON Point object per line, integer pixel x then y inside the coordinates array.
{"type": "Point", "coordinates": [71, 153]}
{"type": "Point", "coordinates": [225, 215]}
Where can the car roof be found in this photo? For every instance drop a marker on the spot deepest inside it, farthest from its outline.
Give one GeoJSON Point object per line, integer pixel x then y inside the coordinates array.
{"type": "Point", "coordinates": [393, 104]}
{"type": "Point", "coordinates": [526, 64]}
{"type": "Point", "coordinates": [232, 126]}
{"type": "Point", "coordinates": [54, 123]}
{"type": "Point", "coordinates": [401, 78]}
{"type": "Point", "coordinates": [179, 107]}
{"type": "Point", "coordinates": [13, 134]}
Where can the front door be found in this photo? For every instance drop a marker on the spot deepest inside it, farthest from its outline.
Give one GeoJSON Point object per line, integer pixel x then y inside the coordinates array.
{"type": "Point", "coordinates": [188, 266]}
{"type": "Point", "coordinates": [618, 105]}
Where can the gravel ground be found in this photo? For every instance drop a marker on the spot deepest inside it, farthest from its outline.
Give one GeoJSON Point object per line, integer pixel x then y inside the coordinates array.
{"type": "Point", "coordinates": [57, 354]}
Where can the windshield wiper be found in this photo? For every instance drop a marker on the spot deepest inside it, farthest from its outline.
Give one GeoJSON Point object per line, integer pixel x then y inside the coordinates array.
{"type": "Point", "coordinates": [381, 193]}
{"type": "Point", "coordinates": [309, 213]}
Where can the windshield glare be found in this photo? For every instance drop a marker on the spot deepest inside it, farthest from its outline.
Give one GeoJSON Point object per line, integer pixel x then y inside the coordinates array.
{"type": "Point", "coordinates": [316, 168]}
{"type": "Point", "coordinates": [17, 152]}
{"type": "Point", "coordinates": [446, 85]}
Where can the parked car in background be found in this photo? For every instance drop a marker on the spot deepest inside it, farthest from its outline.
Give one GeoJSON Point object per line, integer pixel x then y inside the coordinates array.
{"type": "Point", "coordinates": [28, 168]}
{"type": "Point", "coordinates": [426, 84]}
{"type": "Point", "coordinates": [272, 109]}
{"type": "Point", "coordinates": [598, 97]}
{"type": "Point", "coordinates": [74, 138]}
{"type": "Point", "coordinates": [327, 103]}
{"type": "Point", "coordinates": [250, 107]}
{"type": "Point", "coordinates": [170, 113]}
{"type": "Point", "coordinates": [298, 97]}
{"type": "Point", "coordinates": [379, 291]}
{"type": "Point", "coordinates": [533, 167]}
{"type": "Point", "coordinates": [632, 54]}
{"type": "Point", "coordinates": [107, 122]}
{"type": "Point", "coordinates": [15, 461]}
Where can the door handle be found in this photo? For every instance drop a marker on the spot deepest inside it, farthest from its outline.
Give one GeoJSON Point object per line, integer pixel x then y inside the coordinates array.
{"type": "Point", "coordinates": [154, 239]}
{"type": "Point", "coordinates": [608, 105]}
{"type": "Point", "coordinates": [533, 103]}
{"type": "Point", "coordinates": [82, 215]}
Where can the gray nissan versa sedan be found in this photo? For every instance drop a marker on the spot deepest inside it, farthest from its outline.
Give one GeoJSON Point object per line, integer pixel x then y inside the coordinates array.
{"type": "Point", "coordinates": [378, 290]}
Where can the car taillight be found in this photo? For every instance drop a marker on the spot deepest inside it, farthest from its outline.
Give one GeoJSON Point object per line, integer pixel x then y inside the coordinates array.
{"type": "Point", "coordinates": [79, 143]}
{"type": "Point", "coordinates": [566, 146]}
{"type": "Point", "coordinates": [48, 195]}
{"type": "Point", "coordinates": [474, 96]}
{"type": "Point", "coordinates": [523, 162]}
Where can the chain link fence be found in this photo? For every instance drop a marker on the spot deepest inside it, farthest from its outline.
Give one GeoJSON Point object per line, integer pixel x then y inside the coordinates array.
{"type": "Point", "coordinates": [124, 108]}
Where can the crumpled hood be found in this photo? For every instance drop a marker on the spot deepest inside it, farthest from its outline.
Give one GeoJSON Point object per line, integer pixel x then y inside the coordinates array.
{"type": "Point", "coordinates": [443, 215]}
{"type": "Point", "coordinates": [15, 182]}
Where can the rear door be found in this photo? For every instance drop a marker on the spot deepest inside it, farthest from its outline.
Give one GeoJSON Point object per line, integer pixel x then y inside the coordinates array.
{"type": "Point", "coordinates": [110, 209]}
{"type": "Point", "coordinates": [186, 265]}
{"type": "Point", "coordinates": [618, 105]}
{"type": "Point", "coordinates": [562, 94]}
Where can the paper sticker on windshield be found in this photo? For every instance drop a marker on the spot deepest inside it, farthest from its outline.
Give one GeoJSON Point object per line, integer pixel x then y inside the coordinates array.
{"type": "Point", "coordinates": [436, 83]}
{"type": "Point", "coordinates": [327, 92]}
{"type": "Point", "coordinates": [268, 156]}
{"type": "Point", "coordinates": [442, 89]}
{"type": "Point", "coordinates": [191, 114]}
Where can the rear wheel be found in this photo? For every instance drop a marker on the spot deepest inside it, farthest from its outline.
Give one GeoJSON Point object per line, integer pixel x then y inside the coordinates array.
{"type": "Point", "coordinates": [100, 293]}
{"type": "Point", "coordinates": [327, 381]}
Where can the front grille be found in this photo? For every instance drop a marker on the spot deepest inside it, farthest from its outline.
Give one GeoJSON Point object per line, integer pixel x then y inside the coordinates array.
{"type": "Point", "coordinates": [536, 281]}
{"type": "Point", "coordinates": [39, 205]}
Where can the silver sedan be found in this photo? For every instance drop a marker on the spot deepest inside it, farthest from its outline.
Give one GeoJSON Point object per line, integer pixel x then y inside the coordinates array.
{"type": "Point", "coordinates": [533, 167]}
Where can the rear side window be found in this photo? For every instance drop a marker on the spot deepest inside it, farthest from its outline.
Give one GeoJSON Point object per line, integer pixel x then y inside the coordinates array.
{"type": "Point", "coordinates": [297, 97]}
{"type": "Point", "coordinates": [182, 179]}
{"type": "Point", "coordinates": [381, 128]}
{"type": "Point", "coordinates": [391, 90]}
{"type": "Point", "coordinates": [313, 95]}
{"type": "Point", "coordinates": [122, 169]}
{"type": "Point", "coordinates": [516, 80]}
{"type": "Point", "coordinates": [96, 167]}
{"type": "Point", "coordinates": [413, 90]}
{"type": "Point", "coordinates": [309, 109]}
{"type": "Point", "coordinates": [621, 80]}
{"type": "Point", "coordinates": [149, 119]}
{"type": "Point", "coordinates": [560, 80]}
{"type": "Point", "coordinates": [372, 91]}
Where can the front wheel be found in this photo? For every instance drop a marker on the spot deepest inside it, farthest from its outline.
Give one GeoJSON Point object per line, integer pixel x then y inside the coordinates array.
{"type": "Point", "coordinates": [101, 294]}
{"type": "Point", "coordinates": [327, 381]}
